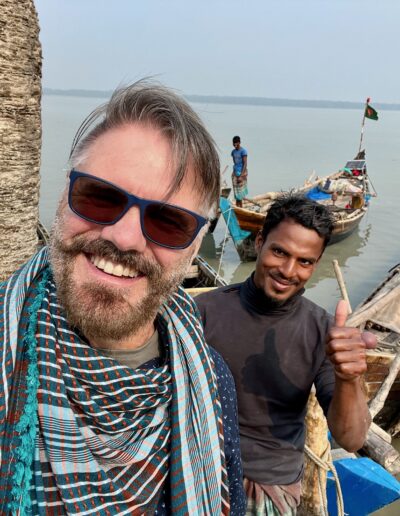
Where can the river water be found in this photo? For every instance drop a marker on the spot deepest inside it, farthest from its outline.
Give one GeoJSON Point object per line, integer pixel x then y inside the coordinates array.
{"type": "Point", "coordinates": [285, 145]}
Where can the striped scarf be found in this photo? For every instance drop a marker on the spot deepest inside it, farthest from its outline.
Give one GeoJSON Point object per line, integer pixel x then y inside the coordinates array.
{"type": "Point", "coordinates": [84, 434]}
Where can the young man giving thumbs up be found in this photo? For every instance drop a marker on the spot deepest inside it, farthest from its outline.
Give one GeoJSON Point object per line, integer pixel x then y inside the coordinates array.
{"type": "Point", "coordinates": [278, 344]}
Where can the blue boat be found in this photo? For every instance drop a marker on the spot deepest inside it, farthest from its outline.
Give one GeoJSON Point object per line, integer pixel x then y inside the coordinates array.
{"type": "Point", "coordinates": [366, 487]}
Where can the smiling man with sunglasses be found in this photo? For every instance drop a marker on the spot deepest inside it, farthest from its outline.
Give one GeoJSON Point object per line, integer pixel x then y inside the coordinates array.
{"type": "Point", "coordinates": [111, 401]}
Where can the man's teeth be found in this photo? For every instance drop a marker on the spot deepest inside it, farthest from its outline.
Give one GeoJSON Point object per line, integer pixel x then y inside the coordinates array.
{"type": "Point", "coordinates": [116, 269]}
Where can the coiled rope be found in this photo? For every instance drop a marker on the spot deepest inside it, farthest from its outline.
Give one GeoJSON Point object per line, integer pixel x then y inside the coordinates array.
{"type": "Point", "coordinates": [325, 463]}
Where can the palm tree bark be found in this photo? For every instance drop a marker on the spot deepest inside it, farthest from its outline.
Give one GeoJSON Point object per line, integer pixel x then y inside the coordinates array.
{"type": "Point", "coordinates": [20, 132]}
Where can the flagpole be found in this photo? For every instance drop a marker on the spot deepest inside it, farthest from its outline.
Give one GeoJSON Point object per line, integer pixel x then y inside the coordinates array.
{"type": "Point", "coordinates": [363, 123]}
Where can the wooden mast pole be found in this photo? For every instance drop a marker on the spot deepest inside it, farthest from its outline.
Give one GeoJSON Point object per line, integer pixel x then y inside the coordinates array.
{"type": "Point", "coordinates": [363, 123]}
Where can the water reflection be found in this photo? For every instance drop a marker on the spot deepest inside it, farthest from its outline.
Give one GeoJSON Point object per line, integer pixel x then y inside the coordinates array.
{"type": "Point", "coordinates": [208, 247]}
{"type": "Point", "coordinates": [342, 251]}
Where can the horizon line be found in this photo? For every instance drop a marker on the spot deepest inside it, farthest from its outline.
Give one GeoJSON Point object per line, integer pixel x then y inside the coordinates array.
{"type": "Point", "coordinates": [244, 100]}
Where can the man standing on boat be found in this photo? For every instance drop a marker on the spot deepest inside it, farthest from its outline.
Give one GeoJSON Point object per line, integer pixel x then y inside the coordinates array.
{"type": "Point", "coordinates": [111, 402]}
{"type": "Point", "coordinates": [278, 344]}
{"type": "Point", "coordinates": [239, 173]}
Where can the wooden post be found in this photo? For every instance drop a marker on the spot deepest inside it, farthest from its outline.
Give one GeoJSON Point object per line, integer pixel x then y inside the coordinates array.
{"type": "Point", "coordinates": [317, 440]}
{"type": "Point", "coordinates": [342, 284]}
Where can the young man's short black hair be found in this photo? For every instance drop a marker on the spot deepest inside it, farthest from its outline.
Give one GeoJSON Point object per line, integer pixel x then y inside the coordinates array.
{"type": "Point", "coordinates": [236, 139]}
{"type": "Point", "coordinates": [301, 210]}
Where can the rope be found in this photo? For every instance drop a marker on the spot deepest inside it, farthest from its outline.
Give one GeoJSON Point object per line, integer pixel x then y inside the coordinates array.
{"type": "Point", "coordinates": [225, 239]}
{"type": "Point", "coordinates": [325, 463]}
{"type": "Point", "coordinates": [371, 183]}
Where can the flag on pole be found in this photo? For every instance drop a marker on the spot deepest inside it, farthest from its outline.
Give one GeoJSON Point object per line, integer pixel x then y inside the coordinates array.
{"type": "Point", "coordinates": [370, 112]}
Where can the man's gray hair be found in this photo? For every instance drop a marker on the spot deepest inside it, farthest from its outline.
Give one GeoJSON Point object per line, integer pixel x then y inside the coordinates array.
{"type": "Point", "coordinates": [150, 103]}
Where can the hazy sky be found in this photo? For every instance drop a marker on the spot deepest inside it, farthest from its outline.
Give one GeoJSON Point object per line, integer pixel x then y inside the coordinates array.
{"type": "Point", "coordinates": [299, 49]}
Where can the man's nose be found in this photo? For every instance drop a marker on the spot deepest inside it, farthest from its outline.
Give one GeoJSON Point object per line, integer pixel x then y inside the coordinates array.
{"type": "Point", "coordinates": [126, 234]}
{"type": "Point", "coordinates": [288, 268]}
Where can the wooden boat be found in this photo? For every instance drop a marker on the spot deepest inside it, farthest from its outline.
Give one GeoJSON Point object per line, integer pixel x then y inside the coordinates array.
{"type": "Point", "coordinates": [379, 313]}
{"type": "Point", "coordinates": [365, 487]}
{"type": "Point", "coordinates": [202, 275]}
{"type": "Point", "coordinates": [346, 193]}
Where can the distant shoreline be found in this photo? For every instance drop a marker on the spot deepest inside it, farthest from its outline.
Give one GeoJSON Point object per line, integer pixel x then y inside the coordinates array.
{"type": "Point", "coordinates": [247, 101]}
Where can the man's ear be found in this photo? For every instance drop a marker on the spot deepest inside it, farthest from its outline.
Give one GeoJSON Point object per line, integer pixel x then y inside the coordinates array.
{"type": "Point", "coordinates": [259, 242]}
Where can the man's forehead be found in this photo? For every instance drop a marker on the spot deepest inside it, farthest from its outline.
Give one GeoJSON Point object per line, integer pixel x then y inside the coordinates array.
{"type": "Point", "coordinates": [290, 234]}
{"type": "Point", "coordinates": [140, 158]}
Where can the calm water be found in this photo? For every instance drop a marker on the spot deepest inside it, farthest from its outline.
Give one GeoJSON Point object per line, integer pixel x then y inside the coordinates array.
{"type": "Point", "coordinates": [284, 145]}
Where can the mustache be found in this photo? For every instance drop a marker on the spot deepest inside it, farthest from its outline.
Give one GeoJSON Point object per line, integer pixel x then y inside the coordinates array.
{"type": "Point", "coordinates": [279, 277]}
{"type": "Point", "coordinates": [107, 250]}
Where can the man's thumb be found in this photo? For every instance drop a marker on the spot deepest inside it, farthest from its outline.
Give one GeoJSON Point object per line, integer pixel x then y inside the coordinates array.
{"type": "Point", "coordinates": [342, 311]}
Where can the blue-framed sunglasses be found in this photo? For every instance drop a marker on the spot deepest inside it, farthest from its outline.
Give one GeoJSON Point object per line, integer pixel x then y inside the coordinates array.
{"type": "Point", "coordinates": [99, 201]}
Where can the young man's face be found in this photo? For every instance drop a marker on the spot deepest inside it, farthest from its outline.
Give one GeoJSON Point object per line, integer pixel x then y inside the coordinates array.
{"type": "Point", "coordinates": [111, 279]}
{"type": "Point", "coordinates": [236, 145]}
{"type": "Point", "coordinates": [286, 259]}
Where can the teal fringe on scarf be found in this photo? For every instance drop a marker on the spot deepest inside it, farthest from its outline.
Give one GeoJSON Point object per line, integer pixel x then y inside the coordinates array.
{"type": "Point", "coordinates": [26, 426]}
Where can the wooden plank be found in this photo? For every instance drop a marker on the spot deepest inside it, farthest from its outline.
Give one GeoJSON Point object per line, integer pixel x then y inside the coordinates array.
{"type": "Point", "coordinates": [376, 376]}
{"type": "Point", "coordinates": [198, 290]}
{"type": "Point", "coordinates": [376, 370]}
{"type": "Point", "coordinates": [374, 384]}
{"type": "Point", "coordinates": [193, 272]}
{"type": "Point", "coordinates": [379, 357]}
{"type": "Point", "coordinates": [379, 400]}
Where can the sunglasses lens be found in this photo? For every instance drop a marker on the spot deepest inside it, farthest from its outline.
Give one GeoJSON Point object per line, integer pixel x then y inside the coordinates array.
{"type": "Point", "coordinates": [169, 226]}
{"type": "Point", "coordinates": [96, 201]}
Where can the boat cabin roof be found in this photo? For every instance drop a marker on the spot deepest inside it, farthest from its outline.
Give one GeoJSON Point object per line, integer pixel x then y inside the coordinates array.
{"type": "Point", "coordinates": [356, 164]}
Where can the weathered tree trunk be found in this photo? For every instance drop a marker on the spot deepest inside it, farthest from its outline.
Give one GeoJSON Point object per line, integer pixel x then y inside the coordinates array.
{"type": "Point", "coordinates": [20, 132]}
{"type": "Point", "coordinates": [312, 503]}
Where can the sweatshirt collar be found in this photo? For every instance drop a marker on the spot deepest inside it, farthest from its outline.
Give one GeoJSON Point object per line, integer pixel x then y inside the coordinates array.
{"type": "Point", "coordinates": [255, 300]}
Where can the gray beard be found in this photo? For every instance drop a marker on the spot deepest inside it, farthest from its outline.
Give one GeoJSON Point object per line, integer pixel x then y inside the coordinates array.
{"type": "Point", "coordinates": [102, 313]}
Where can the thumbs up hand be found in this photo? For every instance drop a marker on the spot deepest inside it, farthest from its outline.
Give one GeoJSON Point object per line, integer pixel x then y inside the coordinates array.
{"type": "Point", "coordinates": [341, 314]}
{"type": "Point", "coordinates": [346, 347]}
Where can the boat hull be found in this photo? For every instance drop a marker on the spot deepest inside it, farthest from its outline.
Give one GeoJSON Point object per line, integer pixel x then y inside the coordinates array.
{"type": "Point", "coordinates": [343, 227]}
{"type": "Point", "coordinates": [246, 247]}
{"type": "Point", "coordinates": [202, 275]}
{"type": "Point", "coordinates": [345, 194]}
{"type": "Point", "coordinates": [379, 314]}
